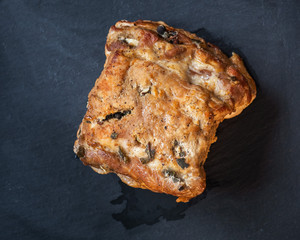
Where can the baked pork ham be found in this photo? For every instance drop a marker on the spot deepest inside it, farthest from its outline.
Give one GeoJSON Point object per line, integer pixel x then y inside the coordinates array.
{"type": "Point", "coordinates": [153, 112]}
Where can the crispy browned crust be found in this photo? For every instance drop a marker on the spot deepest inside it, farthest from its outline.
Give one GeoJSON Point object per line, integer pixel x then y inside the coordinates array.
{"type": "Point", "coordinates": [153, 113]}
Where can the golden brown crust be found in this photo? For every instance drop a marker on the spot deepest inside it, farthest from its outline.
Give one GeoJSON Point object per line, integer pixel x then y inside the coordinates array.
{"type": "Point", "coordinates": [153, 113]}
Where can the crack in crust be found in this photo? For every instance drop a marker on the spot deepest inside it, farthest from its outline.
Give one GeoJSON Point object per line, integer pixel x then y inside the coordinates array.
{"type": "Point", "coordinates": [153, 112]}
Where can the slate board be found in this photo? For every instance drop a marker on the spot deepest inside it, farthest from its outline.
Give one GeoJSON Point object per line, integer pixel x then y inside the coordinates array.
{"type": "Point", "coordinates": [51, 54]}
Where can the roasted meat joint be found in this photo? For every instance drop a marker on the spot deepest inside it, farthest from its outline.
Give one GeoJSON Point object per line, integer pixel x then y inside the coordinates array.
{"type": "Point", "coordinates": [153, 112]}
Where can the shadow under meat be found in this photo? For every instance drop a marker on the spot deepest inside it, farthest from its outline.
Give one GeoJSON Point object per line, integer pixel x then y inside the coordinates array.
{"type": "Point", "coordinates": [235, 163]}
{"type": "Point", "coordinates": [146, 207]}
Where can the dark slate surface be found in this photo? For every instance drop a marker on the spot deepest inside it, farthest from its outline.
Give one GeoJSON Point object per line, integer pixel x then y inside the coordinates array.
{"type": "Point", "coordinates": [51, 54]}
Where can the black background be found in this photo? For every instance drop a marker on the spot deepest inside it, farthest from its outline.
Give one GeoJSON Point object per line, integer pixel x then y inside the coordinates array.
{"type": "Point", "coordinates": [51, 54]}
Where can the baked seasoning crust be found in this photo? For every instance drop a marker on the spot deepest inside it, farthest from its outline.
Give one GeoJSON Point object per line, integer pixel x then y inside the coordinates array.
{"type": "Point", "coordinates": [153, 112]}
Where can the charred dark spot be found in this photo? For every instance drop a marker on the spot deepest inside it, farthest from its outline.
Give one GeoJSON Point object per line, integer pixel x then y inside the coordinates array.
{"type": "Point", "coordinates": [122, 155]}
{"type": "Point", "coordinates": [88, 121]}
{"type": "Point", "coordinates": [150, 152]}
{"type": "Point", "coordinates": [166, 127]}
{"type": "Point", "coordinates": [181, 188]}
{"type": "Point", "coordinates": [233, 78]}
{"type": "Point", "coordinates": [114, 135]}
{"type": "Point", "coordinates": [181, 162]}
{"type": "Point", "coordinates": [81, 152]}
{"type": "Point", "coordinates": [117, 115]}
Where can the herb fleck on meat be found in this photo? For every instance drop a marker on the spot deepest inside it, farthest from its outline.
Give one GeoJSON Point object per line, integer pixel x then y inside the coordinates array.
{"type": "Point", "coordinates": [81, 152]}
{"type": "Point", "coordinates": [114, 135]}
{"type": "Point", "coordinates": [122, 155]}
{"type": "Point", "coordinates": [150, 152]}
{"type": "Point", "coordinates": [181, 162]}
